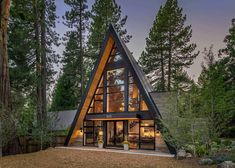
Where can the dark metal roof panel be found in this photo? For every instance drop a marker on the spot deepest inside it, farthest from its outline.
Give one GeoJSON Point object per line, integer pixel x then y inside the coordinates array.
{"type": "Point", "coordinates": [61, 120]}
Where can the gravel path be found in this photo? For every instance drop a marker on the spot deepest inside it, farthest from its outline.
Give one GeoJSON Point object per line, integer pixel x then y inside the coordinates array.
{"type": "Point", "coordinates": [64, 158]}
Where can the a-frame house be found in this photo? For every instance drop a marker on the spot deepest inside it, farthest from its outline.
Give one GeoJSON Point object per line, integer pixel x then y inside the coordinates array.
{"type": "Point", "coordinates": [117, 103]}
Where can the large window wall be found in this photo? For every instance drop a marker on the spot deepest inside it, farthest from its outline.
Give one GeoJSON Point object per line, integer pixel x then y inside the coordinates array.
{"type": "Point", "coordinates": [91, 131]}
{"type": "Point", "coordinates": [141, 133]}
{"type": "Point", "coordinates": [117, 90]}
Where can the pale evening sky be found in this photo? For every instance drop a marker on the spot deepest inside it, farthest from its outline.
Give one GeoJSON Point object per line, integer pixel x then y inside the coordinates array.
{"type": "Point", "coordinates": [210, 20]}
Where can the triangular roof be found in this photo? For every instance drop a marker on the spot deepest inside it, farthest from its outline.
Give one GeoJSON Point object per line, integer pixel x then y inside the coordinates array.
{"type": "Point", "coordinates": [111, 38]}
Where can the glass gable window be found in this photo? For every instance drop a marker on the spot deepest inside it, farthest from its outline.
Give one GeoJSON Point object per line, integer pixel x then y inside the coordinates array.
{"type": "Point", "coordinates": [115, 56]}
{"type": "Point", "coordinates": [112, 88]}
{"type": "Point", "coordinates": [115, 90]}
{"type": "Point", "coordinates": [96, 105]}
{"type": "Point", "coordinates": [133, 96]}
{"type": "Point", "coordinates": [135, 100]}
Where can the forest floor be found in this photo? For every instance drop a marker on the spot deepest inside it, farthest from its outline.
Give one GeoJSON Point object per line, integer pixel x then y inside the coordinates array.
{"type": "Point", "coordinates": [64, 158]}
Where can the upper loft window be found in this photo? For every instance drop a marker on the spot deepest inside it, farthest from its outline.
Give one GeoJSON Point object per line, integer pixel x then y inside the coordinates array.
{"type": "Point", "coordinates": [115, 77]}
{"type": "Point", "coordinates": [115, 56]}
{"type": "Point", "coordinates": [115, 90]}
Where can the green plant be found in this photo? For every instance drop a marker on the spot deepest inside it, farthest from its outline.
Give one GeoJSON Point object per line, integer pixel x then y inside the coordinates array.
{"type": "Point", "coordinates": [227, 142]}
{"type": "Point", "coordinates": [100, 141]}
{"type": "Point", "coordinates": [214, 148]}
{"type": "Point", "coordinates": [189, 148]}
{"type": "Point", "coordinates": [126, 140]}
{"type": "Point", "coordinates": [201, 150]}
{"type": "Point", "coordinates": [217, 140]}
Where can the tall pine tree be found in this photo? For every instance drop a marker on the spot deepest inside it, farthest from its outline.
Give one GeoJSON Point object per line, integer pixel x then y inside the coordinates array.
{"type": "Point", "coordinates": [215, 98]}
{"type": "Point", "coordinates": [229, 61]}
{"type": "Point", "coordinates": [168, 48]}
{"type": "Point", "coordinates": [229, 51]}
{"type": "Point", "coordinates": [71, 83]}
{"type": "Point", "coordinates": [103, 13]}
{"type": "Point", "coordinates": [32, 37]}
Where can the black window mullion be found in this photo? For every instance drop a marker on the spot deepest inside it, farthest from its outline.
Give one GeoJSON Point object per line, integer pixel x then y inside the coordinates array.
{"type": "Point", "coordinates": [93, 133]}
{"type": "Point", "coordinates": [105, 92]}
{"type": "Point", "coordinates": [126, 91]}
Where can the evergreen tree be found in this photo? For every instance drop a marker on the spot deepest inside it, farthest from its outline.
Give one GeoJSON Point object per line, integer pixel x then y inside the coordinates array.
{"type": "Point", "coordinates": [229, 61]}
{"type": "Point", "coordinates": [6, 115]}
{"type": "Point", "coordinates": [63, 96]}
{"type": "Point", "coordinates": [103, 13]}
{"type": "Point", "coordinates": [215, 98]}
{"type": "Point", "coordinates": [229, 51]}
{"type": "Point", "coordinates": [169, 46]}
{"type": "Point", "coordinates": [73, 72]}
{"type": "Point", "coordinates": [31, 39]}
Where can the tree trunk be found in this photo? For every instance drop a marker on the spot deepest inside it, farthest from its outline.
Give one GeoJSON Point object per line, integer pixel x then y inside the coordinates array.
{"type": "Point", "coordinates": [43, 58]}
{"type": "Point", "coordinates": [4, 69]}
{"type": "Point", "coordinates": [169, 63]}
{"type": "Point", "coordinates": [81, 49]}
{"type": "Point", "coordinates": [43, 72]}
{"type": "Point", "coordinates": [162, 68]}
{"type": "Point", "coordinates": [38, 62]}
{"type": "Point", "coordinates": [12, 146]}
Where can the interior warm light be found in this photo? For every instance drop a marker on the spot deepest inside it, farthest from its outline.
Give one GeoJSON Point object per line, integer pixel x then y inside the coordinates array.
{"type": "Point", "coordinates": [121, 108]}
{"type": "Point", "coordinates": [101, 133]}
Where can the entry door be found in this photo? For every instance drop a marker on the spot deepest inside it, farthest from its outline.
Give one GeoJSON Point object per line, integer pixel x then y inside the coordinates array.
{"type": "Point", "coordinates": [115, 133]}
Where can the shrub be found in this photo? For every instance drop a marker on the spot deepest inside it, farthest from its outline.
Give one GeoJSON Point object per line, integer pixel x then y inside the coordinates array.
{"type": "Point", "coordinates": [189, 148]}
{"type": "Point", "coordinates": [227, 142]}
{"type": "Point", "coordinates": [201, 150]}
{"type": "Point", "coordinates": [217, 141]}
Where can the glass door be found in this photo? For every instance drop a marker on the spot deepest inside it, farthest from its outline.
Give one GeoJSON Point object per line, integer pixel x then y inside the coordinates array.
{"type": "Point", "coordinates": [115, 133]}
{"type": "Point", "coordinates": [147, 137]}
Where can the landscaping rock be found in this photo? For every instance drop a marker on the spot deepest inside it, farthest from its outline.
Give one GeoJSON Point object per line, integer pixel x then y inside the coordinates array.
{"type": "Point", "coordinates": [181, 154]}
{"type": "Point", "coordinates": [189, 155]}
{"type": "Point", "coordinates": [205, 161]}
{"type": "Point", "coordinates": [226, 164]}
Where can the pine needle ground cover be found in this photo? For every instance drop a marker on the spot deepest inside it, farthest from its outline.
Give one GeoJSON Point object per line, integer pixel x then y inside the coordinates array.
{"type": "Point", "coordinates": [63, 158]}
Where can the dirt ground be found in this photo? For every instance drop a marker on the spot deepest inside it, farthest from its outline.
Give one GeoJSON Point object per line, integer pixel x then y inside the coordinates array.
{"type": "Point", "coordinates": [65, 158]}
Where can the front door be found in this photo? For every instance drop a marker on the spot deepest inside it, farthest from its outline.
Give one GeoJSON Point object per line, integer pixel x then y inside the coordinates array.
{"type": "Point", "coordinates": [115, 134]}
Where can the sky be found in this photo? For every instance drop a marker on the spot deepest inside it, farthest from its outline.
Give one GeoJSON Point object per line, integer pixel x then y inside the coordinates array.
{"type": "Point", "coordinates": [210, 20]}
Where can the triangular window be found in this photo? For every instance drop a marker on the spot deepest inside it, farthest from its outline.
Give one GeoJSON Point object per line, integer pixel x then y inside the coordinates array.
{"type": "Point", "coordinates": [116, 82]}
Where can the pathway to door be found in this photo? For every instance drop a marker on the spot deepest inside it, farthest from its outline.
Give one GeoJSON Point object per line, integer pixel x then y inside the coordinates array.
{"type": "Point", "coordinates": [134, 152]}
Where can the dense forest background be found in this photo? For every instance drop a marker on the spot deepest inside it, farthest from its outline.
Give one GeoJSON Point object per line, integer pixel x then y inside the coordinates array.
{"type": "Point", "coordinates": [34, 91]}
